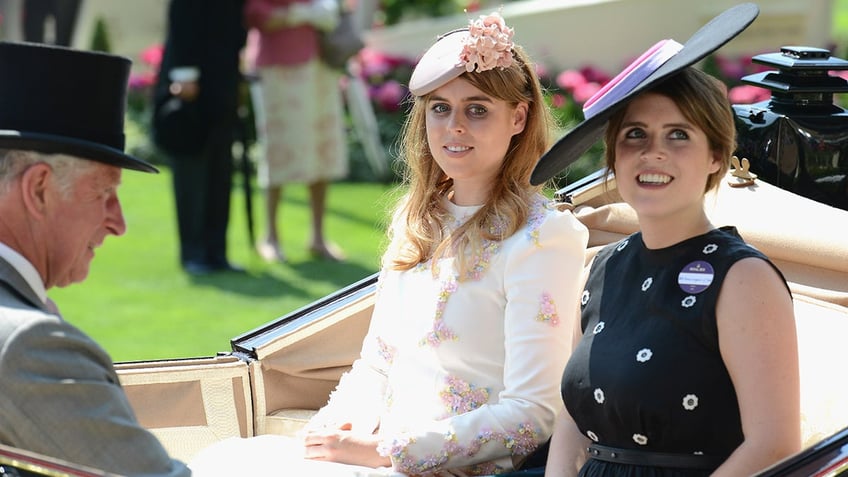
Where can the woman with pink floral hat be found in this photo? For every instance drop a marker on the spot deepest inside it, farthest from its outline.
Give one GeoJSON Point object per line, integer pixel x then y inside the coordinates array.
{"type": "Point", "coordinates": [459, 370]}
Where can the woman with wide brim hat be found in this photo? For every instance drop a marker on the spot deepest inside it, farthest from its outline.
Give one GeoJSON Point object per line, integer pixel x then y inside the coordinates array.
{"type": "Point", "coordinates": [685, 360]}
{"type": "Point", "coordinates": [706, 40]}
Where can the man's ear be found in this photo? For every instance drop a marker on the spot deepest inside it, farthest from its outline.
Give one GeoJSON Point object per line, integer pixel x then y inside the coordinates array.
{"type": "Point", "coordinates": [35, 183]}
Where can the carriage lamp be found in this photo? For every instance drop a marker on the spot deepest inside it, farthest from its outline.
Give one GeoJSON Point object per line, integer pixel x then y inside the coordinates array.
{"type": "Point", "coordinates": [798, 139]}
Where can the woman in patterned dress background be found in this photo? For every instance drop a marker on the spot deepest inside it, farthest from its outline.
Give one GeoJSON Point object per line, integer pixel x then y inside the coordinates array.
{"type": "Point", "coordinates": [299, 113]}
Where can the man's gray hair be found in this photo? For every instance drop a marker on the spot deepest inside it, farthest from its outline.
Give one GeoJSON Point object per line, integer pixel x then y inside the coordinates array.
{"type": "Point", "coordinates": [66, 169]}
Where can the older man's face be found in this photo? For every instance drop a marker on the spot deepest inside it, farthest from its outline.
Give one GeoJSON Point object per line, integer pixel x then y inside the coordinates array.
{"type": "Point", "coordinates": [80, 222]}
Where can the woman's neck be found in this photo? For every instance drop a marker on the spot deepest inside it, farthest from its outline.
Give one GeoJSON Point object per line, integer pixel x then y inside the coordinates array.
{"type": "Point", "coordinates": [465, 194]}
{"type": "Point", "coordinates": [665, 231]}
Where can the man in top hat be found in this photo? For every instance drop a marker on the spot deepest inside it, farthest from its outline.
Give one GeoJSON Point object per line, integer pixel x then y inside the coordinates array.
{"type": "Point", "coordinates": [61, 158]}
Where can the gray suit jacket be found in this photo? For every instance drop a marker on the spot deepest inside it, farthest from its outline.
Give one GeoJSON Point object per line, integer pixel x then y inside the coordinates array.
{"type": "Point", "coordinates": [60, 395]}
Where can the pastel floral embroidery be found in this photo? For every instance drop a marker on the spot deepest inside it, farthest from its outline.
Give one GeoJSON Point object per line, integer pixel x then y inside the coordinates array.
{"type": "Point", "coordinates": [385, 351]}
{"type": "Point", "coordinates": [548, 312]}
{"type": "Point", "coordinates": [537, 217]}
{"type": "Point", "coordinates": [599, 395]}
{"type": "Point", "coordinates": [479, 262]}
{"type": "Point", "coordinates": [598, 328]}
{"type": "Point", "coordinates": [397, 449]}
{"type": "Point", "coordinates": [688, 301]}
{"type": "Point", "coordinates": [489, 248]}
{"type": "Point", "coordinates": [690, 402]}
{"type": "Point", "coordinates": [584, 298]}
{"type": "Point", "coordinates": [460, 396]}
{"type": "Point", "coordinates": [622, 245]}
{"type": "Point", "coordinates": [708, 249]}
{"type": "Point", "coordinates": [489, 44]}
{"type": "Point", "coordinates": [592, 436]}
{"type": "Point", "coordinates": [647, 283]}
{"type": "Point", "coordinates": [640, 439]}
{"type": "Point", "coordinates": [644, 355]}
{"type": "Point", "coordinates": [440, 331]}
{"type": "Point", "coordinates": [522, 441]}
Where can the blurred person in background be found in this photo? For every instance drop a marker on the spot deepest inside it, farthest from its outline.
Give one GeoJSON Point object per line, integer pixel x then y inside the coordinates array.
{"type": "Point", "coordinates": [196, 100]}
{"type": "Point", "coordinates": [299, 113]}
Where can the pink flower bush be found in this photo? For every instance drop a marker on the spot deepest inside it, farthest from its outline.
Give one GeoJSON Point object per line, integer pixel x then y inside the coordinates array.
{"type": "Point", "coordinates": [581, 84]}
{"type": "Point", "coordinates": [142, 81]}
{"type": "Point", "coordinates": [386, 77]}
{"type": "Point", "coordinates": [737, 67]}
{"type": "Point", "coordinates": [389, 96]}
{"type": "Point", "coordinates": [585, 91]}
{"type": "Point", "coordinates": [558, 100]}
{"type": "Point", "coordinates": [375, 64]}
{"type": "Point", "coordinates": [569, 80]}
{"type": "Point", "coordinates": [152, 56]}
{"type": "Point", "coordinates": [747, 94]}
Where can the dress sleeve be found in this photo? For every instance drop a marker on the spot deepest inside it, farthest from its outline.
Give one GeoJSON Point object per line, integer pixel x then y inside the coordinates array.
{"type": "Point", "coordinates": [63, 385]}
{"type": "Point", "coordinates": [358, 398]}
{"type": "Point", "coordinates": [541, 286]}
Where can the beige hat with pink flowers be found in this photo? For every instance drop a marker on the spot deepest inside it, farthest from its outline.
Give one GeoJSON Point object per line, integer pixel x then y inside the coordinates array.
{"type": "Point", "coordinates": [484, 45]}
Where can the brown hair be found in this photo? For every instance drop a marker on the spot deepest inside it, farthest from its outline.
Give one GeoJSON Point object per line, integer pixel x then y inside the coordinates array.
{"type": "Point", "coordinates": [703, 100]}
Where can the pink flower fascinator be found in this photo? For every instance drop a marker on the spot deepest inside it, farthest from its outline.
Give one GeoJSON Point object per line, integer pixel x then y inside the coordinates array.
{"type": "Point", "coordinates": [484, 45]}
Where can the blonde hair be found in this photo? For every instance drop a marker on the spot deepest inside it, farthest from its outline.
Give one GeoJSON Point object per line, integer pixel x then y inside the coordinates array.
{"type": "Point", "coordinates": [703, 100]}
{"type": "Point", "coordinates": [420, 214]}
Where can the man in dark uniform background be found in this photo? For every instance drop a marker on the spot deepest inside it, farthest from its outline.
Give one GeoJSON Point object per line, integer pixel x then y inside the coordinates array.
{"type": "Point", "coordinates": [195, 116]}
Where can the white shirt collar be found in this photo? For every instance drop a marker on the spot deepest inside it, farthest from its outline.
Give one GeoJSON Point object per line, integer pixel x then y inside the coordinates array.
{"type": "Point", "coordinates": [26, 269]}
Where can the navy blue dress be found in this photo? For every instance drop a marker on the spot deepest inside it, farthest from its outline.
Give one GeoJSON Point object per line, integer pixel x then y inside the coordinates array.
{"type": "Point", "coordinates": [647, 373]}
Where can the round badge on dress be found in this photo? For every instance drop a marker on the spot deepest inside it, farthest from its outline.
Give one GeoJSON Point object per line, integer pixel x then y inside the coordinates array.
{"type": "Point", "coordinates": [696, 277]}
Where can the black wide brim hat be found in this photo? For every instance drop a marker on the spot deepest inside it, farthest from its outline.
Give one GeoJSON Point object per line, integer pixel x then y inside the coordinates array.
{"type": "Point", "coordinates": [59, 100]}
{"type": "Point", "coordinates": [706, 40]}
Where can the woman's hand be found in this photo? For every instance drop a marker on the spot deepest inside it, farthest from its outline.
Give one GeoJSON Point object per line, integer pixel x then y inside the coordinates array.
{"type": "Point", "coordinates": [344, 446]}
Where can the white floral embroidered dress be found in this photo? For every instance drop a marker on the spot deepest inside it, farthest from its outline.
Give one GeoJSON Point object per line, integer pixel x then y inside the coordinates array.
{"type": "Point", "coordinates": [466, 373]}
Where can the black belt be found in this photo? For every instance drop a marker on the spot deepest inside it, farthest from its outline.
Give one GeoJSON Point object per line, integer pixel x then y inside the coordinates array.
{"type": "Point", "coordinates": [653, 459]}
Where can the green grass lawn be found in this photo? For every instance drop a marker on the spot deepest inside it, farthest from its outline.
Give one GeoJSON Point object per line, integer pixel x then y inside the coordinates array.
{"type": "Point", "coordinates": [139, 304]}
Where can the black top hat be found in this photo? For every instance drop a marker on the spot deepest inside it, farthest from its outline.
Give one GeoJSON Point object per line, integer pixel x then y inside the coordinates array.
{"type": "Point", "coordinates": [709, 38]}
{"type": "Point", "coordinates": [59, 100]}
